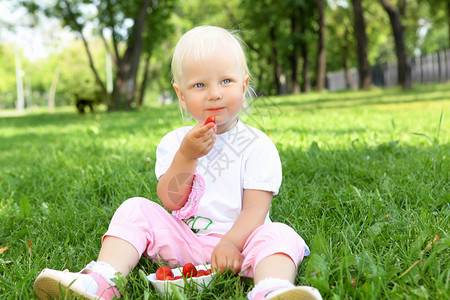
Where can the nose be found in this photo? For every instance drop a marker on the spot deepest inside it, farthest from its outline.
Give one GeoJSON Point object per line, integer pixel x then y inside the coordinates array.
{"type": "Point", "coordinates": [215, 93]}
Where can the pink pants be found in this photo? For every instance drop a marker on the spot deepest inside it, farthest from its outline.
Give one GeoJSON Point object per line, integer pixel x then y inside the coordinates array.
{"type": "Point", "coordinates": [160, 236]}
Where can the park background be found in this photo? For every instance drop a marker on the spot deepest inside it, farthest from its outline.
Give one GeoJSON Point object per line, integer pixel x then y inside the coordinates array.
{"type": "Point", "coordinates": [354, 94]}
{"type": "Point", "coordinates": [119, 53]}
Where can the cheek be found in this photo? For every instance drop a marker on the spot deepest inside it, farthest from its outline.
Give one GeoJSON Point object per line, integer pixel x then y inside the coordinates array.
{"type": "Point", "coordinates": [192, 104]}
{"type": "Point", "coordinates": [237, 97]}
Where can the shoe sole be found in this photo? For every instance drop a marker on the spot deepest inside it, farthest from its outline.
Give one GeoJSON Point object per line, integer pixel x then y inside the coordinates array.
{"type": "Point", "coordinates": [298, 293]}
{"type": "Point", "coordinates": [50, 287]}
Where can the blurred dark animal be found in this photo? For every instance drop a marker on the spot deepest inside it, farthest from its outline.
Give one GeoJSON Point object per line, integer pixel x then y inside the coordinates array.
{"type": "Point", "coordinates": [82, 102]}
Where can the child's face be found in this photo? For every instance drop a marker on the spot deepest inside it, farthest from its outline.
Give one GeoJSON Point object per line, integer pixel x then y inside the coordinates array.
{"type": "Point", "coordinates": [213, 86]}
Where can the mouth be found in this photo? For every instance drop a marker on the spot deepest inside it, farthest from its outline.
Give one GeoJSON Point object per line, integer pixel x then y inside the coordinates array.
{"type": "Point", "coordinates": [215, 110]}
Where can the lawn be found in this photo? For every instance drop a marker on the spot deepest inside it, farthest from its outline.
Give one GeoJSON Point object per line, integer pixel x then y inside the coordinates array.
{"type": "Point", "coordinates": [365, 183]}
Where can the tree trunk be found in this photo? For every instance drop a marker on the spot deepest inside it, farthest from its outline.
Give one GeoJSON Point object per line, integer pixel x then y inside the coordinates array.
{"type": "Point", "coordinates": [306, 85]}
{"type": "Point", "coordinates": [448, 22]}
{"type": "Point", "coordinates": [140, 99]}
{"type": "Point", "coordinates": [294, 55]}
{"type": "Point", "coordinates": [321, 58]}
{"type": "Point", "coordinates": [365, 80]}
{"type": "Point", "coordinates": [86, 47]}
{"type": "Point", "coordinates": [403, 64]}
{"type": "Point", "coordinates": [125, 83]}
{"type": "Point", "coordinates": [348, 81]}
{"type": "Point", "coordinates": [276, 67]}
{"type": "Point", "coordinates": [52, 92]}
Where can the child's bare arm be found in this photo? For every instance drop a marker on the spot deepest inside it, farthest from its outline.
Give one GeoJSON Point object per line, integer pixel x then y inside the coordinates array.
{"type": "Point", "coordinates": [227, 254]}
{"type": "Point", "coordinates": [175, 185]}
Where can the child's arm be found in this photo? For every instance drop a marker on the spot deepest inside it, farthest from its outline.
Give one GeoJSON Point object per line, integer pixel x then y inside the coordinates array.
{"type": "Point", "coordinates": [175, 185]}
{"type": "Point", "coordinates": [227, 253]}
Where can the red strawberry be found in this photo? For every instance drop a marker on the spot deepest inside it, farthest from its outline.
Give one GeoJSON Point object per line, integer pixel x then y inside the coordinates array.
{"type": "Point", "coordinates": [189, 270]}
{"type": "Point", "coordinates": [201, 273]}
{"type": "Point", "coordinates": [211, 119]}
{"type": "Point", "coordinates": [163, 273]}
{"type": "Point", "coordinates": [177, 277]}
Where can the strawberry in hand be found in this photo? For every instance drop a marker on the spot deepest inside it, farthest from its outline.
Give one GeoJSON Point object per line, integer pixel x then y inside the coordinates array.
{"type": "Point", "coordinates": [211, 119]}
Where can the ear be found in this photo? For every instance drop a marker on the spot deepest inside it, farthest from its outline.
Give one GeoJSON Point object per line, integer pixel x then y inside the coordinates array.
{"type": "Point", "coordinates": [246, 81]}
{"type": "Point", "coordinates": [179, 95]}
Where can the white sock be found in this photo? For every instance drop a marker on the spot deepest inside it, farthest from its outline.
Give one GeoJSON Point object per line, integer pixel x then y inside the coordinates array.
{"type": "Point", "coordinates": [103, 268]}
{"type": "Point", "coordinates": [90, 285]}
{"type": "Point", "coordinates": [85, 282]}
{"type": "Point", "coordinates": [269, 283]}
{"type": "Point", "coordinates": [80, 281]}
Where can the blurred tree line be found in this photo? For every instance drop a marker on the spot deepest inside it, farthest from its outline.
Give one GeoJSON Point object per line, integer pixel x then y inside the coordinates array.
{"type": "Point", "coordinates": [291, 44]}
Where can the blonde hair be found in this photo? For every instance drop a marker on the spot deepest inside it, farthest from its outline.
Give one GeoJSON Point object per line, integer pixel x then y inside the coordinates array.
{"type": "Point", "coordinates": [200, 42]}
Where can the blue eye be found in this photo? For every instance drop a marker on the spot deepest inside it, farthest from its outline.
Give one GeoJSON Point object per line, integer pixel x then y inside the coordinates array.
{"type": "Point", "coordinates": [225, 81]}
{"type": "Point", "coordinates": [199, 85]}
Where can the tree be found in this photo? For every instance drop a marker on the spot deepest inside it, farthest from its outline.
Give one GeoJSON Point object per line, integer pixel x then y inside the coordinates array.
{"type": "Point", "coordinates": [279, 35]}
{"type": "Point", "coordinates": [365, 80]}
{"type": "Point", "coordinates": [448, 20]}
{"type": "Point", "coordinates": [340, 41]}
{"type": "Point", "coordinates": [72, 15]}
{"type": "Point", "coordinates": [438, 35]}
{"type": "Point", "coordinates": [127, 65]}
{"type": "Point", "coordinates": [403, 64]}
{"type": "Point", "coordinates": [125, 23]}
{"type": "Point", "coordinates": [71, 67]}
{"type": "Point", "coordinates": [300, 16]}
{"type": "Point", "coordinates": [7, 75]}
{"type": "Point", "coordinates": [321, 50]}
{"type": "Point", "coordinates": [436, 7]}
{"type": "Point", "coordinates": [294, 57]}
{"type": "Point", "coordinates": [306, 13]}
{"type": "Point", "coordinates": [156, 23]}
{"type": "Point", "coordinates": [265, 27]}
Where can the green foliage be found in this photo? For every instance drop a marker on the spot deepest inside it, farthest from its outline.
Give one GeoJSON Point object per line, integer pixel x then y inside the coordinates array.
{"type": "Point", "coordinates": [340, 36]}
{"type": "Point", "coordinates": [265, 26]}
{"type": "Point", "coordinates": [435, 16]}
{"type": "Point", "coordinates": [75, 76]}
{"type": "Point", "coordinates": [434, 40]}
{"type": "Point", "coordinates": [362, 185]}
{"type": "Point", "coordinates": [159, 41]}
{"type": "Point", "coordinates": [8, 76]}
{"type": "Point", "coordinates": [379, 34]}
{"type": "Point", "coordinates": [71, 70]}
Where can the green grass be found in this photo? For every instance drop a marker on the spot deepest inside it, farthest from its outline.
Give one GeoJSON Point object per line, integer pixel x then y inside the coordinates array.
{"type": "Point", "coordinates": [365, 184]}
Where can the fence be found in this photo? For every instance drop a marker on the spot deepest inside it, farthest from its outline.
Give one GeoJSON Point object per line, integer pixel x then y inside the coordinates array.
{"type": "Point", "coordinates": [425, 69]}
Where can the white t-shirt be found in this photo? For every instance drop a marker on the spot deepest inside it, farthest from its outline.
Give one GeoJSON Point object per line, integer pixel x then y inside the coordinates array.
{"type": "Point", "coordinates": [242, 158]}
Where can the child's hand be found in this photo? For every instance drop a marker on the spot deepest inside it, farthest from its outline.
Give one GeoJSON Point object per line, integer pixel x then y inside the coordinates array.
{"type": "Point", "coordinates": [226, 256]}
{"type": "Point", "coordinates": [198, 141]}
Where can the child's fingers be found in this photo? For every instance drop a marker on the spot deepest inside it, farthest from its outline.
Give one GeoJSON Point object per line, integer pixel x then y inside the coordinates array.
{"type": "Point", "coordinates": [205, 134]}
{"type": "Point", "coordinates": [226, 257]}
{"type": "Point", "coordinates": [236, 266]}
{"type": "Point", "coordinates": [214, 265]}
{"type": "Point", "coordinates": [202, 133]}
{"type": "Point", "coordinates": [200, 140]}
{"type": "Point", "coordinates": [206, 128]}
{"type": "Point", "coordinates": [208, 145]}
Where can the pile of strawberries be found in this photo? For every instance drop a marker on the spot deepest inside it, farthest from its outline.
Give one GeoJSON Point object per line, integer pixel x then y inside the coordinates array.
{"type": "Point", "coordinates": [189, 270]}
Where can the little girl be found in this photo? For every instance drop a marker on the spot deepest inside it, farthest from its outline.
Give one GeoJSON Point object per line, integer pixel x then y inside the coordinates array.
{"type": "Point", "coordinates": [217, 178]}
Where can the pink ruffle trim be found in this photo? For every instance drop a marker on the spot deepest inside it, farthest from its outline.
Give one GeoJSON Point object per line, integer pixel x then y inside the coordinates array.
{"type": "Point", "coordinates": [190, 207]}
